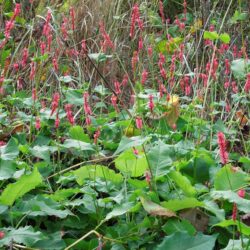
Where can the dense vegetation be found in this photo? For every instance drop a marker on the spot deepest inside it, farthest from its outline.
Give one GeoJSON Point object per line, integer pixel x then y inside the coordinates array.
{"type": "Point", "coordinates": [124, 124]}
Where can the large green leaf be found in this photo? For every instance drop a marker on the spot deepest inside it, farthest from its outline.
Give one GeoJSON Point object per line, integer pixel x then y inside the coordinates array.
{"type": "Point", "coordinates": [42, 152]}
{"type": "Point", "coordinates": [53, 241]}
{"type": "Point", "coordinates": [236, 244]}
{"type": "Point", "coordinates": [10, 151]}
{"type": "Point", "coordinates": [127, 143]}
{"type": "Point", "coordinates": [77, 133]}
{"type": "Point", "coordinates": [23, 235]}
{"type": "Point", "coordinates": [242, 204]}
{"type": "Point", "coordinates": [41, 206]}
{"type": "Point", "coordinates": [174, 225]}
{"type": "Point", "coordinates": [184, 241]}
{"type": "Point", "coordinates": [96, 171]}
{"type": "Point", "coordinates": [183, 182]}
{"type": "Point", "coordinates": [119, 210]}
{"type": "Point", "coordinates": [159, 158]}
{"type": "Point", "coordinates": [129, 163]}
{"type": "Point", "coordinates": [16, 190]}
{"type": "Point", "coordinates": [241, 227]}
{"type": "Point", "coordinates": [227, 179]}
{"type": "Point", "coordinates": [240, 67]}
{"type": "Point", "coordinates": [80, 145]}
{"type": "Point", "coordinates": [177, 205]}
{"type": "Point", "coordinates": [7, 169]}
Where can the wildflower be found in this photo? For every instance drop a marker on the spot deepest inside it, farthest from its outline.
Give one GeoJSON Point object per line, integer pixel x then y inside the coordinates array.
{"type": "Point", "coordinates": [68, 109]}
{"type": "Point", "coordinates": [161, 10]}
{"type": "Point", "coordinates": [34, 97]}
{"type": "Point", "coordinates": [222, 148]}
{"type": "Point", "coordinates": [135, 151]}
{"type": "Point", "coordinates": [134, 61]}
{"type": "Point", "coordinates": [42, 47]}
{"type": "Point", "coordinates": [64, 28]}
{"type": "Point", "coordinates": [9, 25]}
{"type": "Point", "coordinates": [2, 234]}
{"type": "Point", "coordinates": [114, 102]}
{"type": "Point", "coordinates": [117, 88]}
{"type": "Point", "coordinates": [19, 83]}
{"type": "Point", "coordinates": [144, 76]}
{"type": "Point", "coordinates": [125, 80]}
{"type": "Point", "coordinates": [148, 177]}
{"type": "Point", "coordinates": [97, 135]}
{"type": "Point", "coordinates": [55, 64]}
{"type": "Point", "coordinates": [25, 57]}
{"type": "Point", "coordinates": [33, 70]}
{"type": "Point", "coordinates": [138, 122]}
{"type": "Point", "coordinates": [72, 14]}
{"type": "Point", "coordinates": [247, 85]}
{"type": "Point", "coordinates": [241, 193]}
{"type": "Point", "coordinates": [234, 87]}
{"type": "Point", "coordinates": [84, 46]}
{"type": "Point", "coordinates": [57, 121]}
{"type": "Point", "coordinates": [88, 120]}
{"type": "Point", "coordinates": [150, 51]}
{"type": "Point", "coordinates": [135, 18]}
{"type": "Point", "coordinates": [107, 43]}
{"type": "Point", "coordinates": [140, 44]}
{"type": "Point", "coordinates": [17, 10]}
{"type": "Point", "coordinates": [86, 106]}
{"type": "Point", "coordinates": [151, 103]}
{"type": "Point", "coordinates": [55, 103]}
{"type": "Point", "coordinates": [38, 123]}
{"type": "Point", "coordinates": [2, 143]}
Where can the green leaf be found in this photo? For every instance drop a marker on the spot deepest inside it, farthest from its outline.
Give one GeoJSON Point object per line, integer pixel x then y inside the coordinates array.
{"type": "Point", "coordinates": [241, 227]}
{"type": "Point", "coordinates": [127, 143]}
{"type": "Point", "coordinates": [41, 206]}
{"type": "Point", "coordinates": [177, 205]}
{"type": "Point", "coordinates": [129, 163]}
{"type": "Point", "coordinates": [83, 146]}
{"type": "Point", "coordinates": [120, 210]}
{"type": "Point", "coordinates": [77, 133]}
{"type": "Point", "coordinates": [242, 204]}
{"type": "Point", "coordinates": [74, 97]}
{"type": "Point", "coordinates": [16, 190]}
{"type": "Point", "coordinates": [236, 244]}
{"type": "Point", "coordinates": [99, 57]}
{"type": "Point", "coordinates": [42, 152]}
{"type": "Point", "coordinates": [174, 225]}
{"type": "Point", "coordinates": [159, 158]}
{"type": "Point", "coordinates": [7, 169]}
{"type": "Point", "coordinates": [53, 241]}
{"type": "Point", "coordinates": [22, 235]}
{"type": "Point", "coordinates": [155, 209]}
{"type": "Point", "coordinates": [96, 171]}
{"type": "Point", "coordinates": [183, 182]}
{"type": "Point", "coordinates": [211, 35]}
{"type": "Point", "coordinates": [225, 38]}
{"type": "Point", "coordinates": [183, 241]}
{"type": "Point", "coordinates": [63, 194]}
{"type": "Point", "coordinates": [66, 79]}
{"type": "Point", "coordinates": [227, 179]}
{"type": "Point", "coordinates": [240, 67]}
{"type": "Point", "coordinates": [10, 151]}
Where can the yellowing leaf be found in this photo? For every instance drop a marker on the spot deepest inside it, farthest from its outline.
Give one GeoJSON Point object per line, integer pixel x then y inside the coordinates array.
{"type": "Point", "coordinates": [196, 26]}
{"type": "Point", "coordinates": [155, 209]}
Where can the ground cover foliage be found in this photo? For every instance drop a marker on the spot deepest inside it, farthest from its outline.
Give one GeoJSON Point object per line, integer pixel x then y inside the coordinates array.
{"type": "Point", "coordinates": [124, 125]}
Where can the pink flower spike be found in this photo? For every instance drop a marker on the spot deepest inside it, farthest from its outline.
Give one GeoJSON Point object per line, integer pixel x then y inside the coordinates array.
{"type": "Point", "coordinates": [242, 193]}
{"type": "Point", "coordinates": [38, 123]}
{"type": "Point", "coordinates": [138, 122]}
{"type": "Point", "coordinates": [222, 148]}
